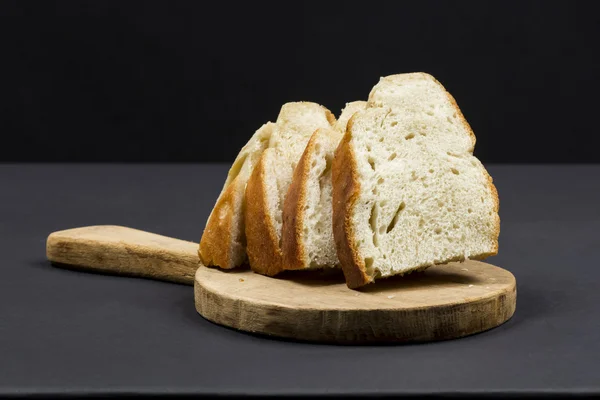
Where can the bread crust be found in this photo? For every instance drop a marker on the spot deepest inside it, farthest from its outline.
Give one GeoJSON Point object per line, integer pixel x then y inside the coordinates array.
{"type": "Point", "coordinates": [346, 188]}
{"type": "Point", "coordinates": [263, 251]}
{"type": "Point", "coordinates": [292, 245]}
{"type": "Point", "coordinates": [214, 249]}
{"type": "Point", "coordinates": [219, 245]}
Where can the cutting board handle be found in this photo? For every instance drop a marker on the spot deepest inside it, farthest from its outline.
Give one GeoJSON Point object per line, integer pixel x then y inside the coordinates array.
{"type": "Point", "coordinates": [119, 250]}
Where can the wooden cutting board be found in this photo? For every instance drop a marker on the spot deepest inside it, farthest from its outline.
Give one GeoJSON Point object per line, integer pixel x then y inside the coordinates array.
{"type": "Point", "coordinates": [442, 302]}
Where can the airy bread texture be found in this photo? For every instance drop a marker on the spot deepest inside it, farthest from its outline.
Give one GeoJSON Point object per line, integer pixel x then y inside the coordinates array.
{"type": "Point", "coordinates": [223, 242]}
{"type": "Point", "coordinates": [307, 233]}
{"type": "Point", "coordinates": [407, 191]}
{"type": "Point", "coordinates": [349, 110]}
{"type": "Point", "coordinates": [271, 178]}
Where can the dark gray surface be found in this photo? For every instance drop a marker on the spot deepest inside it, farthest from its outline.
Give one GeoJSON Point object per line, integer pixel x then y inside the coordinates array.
{"type": "Point", "coordinates": [72, 332]}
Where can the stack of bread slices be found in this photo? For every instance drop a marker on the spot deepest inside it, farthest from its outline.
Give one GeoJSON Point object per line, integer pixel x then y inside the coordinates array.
{"type": "Point", "coordinates": [389, 187]}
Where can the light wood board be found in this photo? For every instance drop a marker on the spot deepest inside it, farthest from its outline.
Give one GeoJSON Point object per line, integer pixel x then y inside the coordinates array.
{"type": "Point", "coordinates": [443, 302]}
{"type": "Point", "coordinates": [120, 250]}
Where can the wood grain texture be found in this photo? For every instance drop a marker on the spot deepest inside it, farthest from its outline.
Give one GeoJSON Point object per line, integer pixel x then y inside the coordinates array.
{"type": "Point", "coordinates": [442, 302]}
{"type": "Point", "coordinates": [124, 251]}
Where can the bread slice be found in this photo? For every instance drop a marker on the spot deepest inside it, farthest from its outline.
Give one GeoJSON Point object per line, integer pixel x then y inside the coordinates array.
{"type": "Point", "coordinates": [271, 179]}
{"type": "Point", "coordinates": [223, 242]}
{"type": "Point", "coordinates": [407, 191]}
{"type": "Point", "coordinates": [307, 235]}
{"type": "Point", "coordinates": [347, 113]}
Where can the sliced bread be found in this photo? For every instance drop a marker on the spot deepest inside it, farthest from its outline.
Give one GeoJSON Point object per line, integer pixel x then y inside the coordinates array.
{"type": "Point", "coordinates": [307, 235]}
{"type": "Point", "coordinates": [271, 178]}
{"type": "Point", "coordinates": [349, 110]}
{"type": "Point", "coordinates": [223, 242]}
{"type": "Point", "coordinates": [407, 191]}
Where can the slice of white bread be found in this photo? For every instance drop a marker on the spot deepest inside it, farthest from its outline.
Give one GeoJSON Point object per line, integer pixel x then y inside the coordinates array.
{"type": "Point", "coordinates": [407, 191]}
{"type": "Point", "coordinates": [307, 233]}
{"type": "Point", "coordinates": [223, 241]}
{"type": "Point", "coordinates": [347, 113]}
{"type": "Point", "coordinates": [271, 179]}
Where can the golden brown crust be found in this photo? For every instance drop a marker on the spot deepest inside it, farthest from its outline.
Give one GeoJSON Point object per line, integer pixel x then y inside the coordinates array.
{"type": "Point", "coordinates": [223, 240]}
{"type": "Point", "coordinates": [263, 250]}
{"type": "Point", "coordinates": [215, 248]}
{"type": "Point", "coordinates": [292, 245]}
{"type": "Point", "coordinates": [346, 188]}
{"type": "Point", "coordinates": [329, 115]}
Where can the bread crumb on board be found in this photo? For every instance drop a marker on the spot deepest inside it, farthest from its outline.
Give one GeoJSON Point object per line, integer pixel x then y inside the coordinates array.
{"type": "Point", "coordinates": [241, 280]}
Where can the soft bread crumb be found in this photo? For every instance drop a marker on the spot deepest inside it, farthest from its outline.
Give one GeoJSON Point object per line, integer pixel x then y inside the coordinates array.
{"type": "Point", "coordinates": [307, 239]}
{"type": "Point", "coordinates": [421, 198]}
{"type": "Point", "coordinates": [295, 124]}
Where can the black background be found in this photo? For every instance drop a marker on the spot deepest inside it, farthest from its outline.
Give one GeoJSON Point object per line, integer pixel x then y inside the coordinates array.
{"type": "Point", "coordinates": [190, 81]}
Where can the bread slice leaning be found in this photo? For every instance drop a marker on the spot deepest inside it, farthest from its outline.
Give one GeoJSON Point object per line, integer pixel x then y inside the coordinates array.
{"type": "Point", "coordinates": [271, 178]}
{"type": "Point", "coordinates": [407, 191]}
{"type": "Point", "coordinates": [223, 242]}
{"type": "Point", "coordinates": [347, 112]}
{"type": "Point", "coordinates": [307, 234]}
